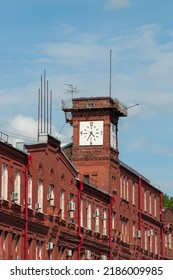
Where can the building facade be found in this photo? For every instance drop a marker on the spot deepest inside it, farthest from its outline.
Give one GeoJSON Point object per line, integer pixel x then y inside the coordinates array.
{"type": "Point", "coordinates": [80, 201]}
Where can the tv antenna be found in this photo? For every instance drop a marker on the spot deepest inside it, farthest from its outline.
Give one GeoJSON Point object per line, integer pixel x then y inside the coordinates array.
{"type": "Point", "coordinates": [71, 89]}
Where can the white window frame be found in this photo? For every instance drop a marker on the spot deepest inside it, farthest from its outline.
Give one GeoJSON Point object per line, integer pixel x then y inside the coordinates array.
{"type": "Point", "coordinates": [40, 194]}
{"type": "Point", "coordinates": [134, 229]}
{"type": "Point", "coordinates": [62, 195]}
{"type": "Point", "coordinates": [155, 206]}
{"type": "Point", "coordinates": [151, 243]}
{"type": "Point", "coordinates": [30, 190]}
{"type": "Point", "coordinates": [121, 186]}
{"type": "Point", "coordinates": [4, 181]}
{"type": "Point", "coordinates": [17, 184]}
{"type": "Point", "coordinates": [170, 241]}
{"type": "Point", "coordinates": [124, 187]}
{"type": "Point", "coordinates": [145, 200]}
{"type": "Point", "coordinates": [81, 212]}
{"type": "Point", "coordinates": [113, 219]}
{"type": "Point", "coordinates": [104, 224]}
{"type": "Point", "coordinates": [51, 192]}
{"type": "Point", "coordinates": [145, 239]}
{"type": "Point", "coordinates": [133, 193]}
{"type": "Point", "coordinates": [150, 204]}
{"type": "Point", "coordinates": [97, 219]}
{"type": "Point", "coordinates": [156, 245]}
{"type": "Point", "coordinates": [39, 247]}
{"type": "Point", "coordinates": [89, 215]}
{"type": "Point", "coordinates": [127, 189]}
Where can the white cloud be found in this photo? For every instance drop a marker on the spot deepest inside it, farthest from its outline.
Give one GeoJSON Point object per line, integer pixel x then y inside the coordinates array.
{"type": "Point", "coordinates": [117, 4]}
{"type": "Point", "coordinates": [23, 127]}
{"type": "Point", "coordinates": [73, 53]}
{"type": "Point", "coordinates": [65, 28]}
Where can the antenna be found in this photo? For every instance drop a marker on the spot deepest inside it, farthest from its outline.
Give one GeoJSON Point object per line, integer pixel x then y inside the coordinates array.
{"type": "Point", "coordinates": [44, 111]}
{"type": "Point", "coordinates": [110, 82]}
{"type": "Point", "coordinates": [71, 89]}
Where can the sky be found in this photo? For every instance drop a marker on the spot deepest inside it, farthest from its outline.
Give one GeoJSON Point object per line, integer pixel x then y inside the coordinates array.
{"type": "Point", "coordinates": [71, 40]}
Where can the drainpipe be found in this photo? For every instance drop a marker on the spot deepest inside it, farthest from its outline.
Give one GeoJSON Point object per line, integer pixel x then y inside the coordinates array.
{"type": "Point", "coordinates": [162, 226]}
{"type": "Point", "coordinates": [79, 220]}
{"type": "Point", "coordinates": [26, 207]}
{"type": "Point", "coordinates": [110, 227]}
{"type": "Point", "coordinates": [139, 209]}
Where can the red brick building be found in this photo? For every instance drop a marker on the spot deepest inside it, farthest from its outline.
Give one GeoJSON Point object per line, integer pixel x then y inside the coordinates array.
{"type": "Point", "coordinates": [82, 201]}
{"type": "Point", "coordinates": [168, 233]}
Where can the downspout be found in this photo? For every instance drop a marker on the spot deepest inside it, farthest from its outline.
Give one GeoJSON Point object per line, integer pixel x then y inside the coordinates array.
{"type": "Point", "coordinates": [110, 227]}
{"type": "Point", "coordinates": [162, 226]}
{"type": "Point", "coordinates": [139, 210]}
{"type": "Point", "coordinates": [26, 207]}
{"type": "Point", "coordinates": [79, 220]}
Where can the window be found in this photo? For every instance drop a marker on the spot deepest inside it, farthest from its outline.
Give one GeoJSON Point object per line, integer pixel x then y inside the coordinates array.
{"type": "Point", "coordinates": [81, 212]}
{"type": "Point", "coordinates": [89, 215]}
{"type": "Point", "coordinates": [51, 194]}
{"type": "Point", "coordinates": [39, 250]}
{"type": "Point", "coordinates": [150, 210]}
{"type": "Point", "coordinates": [121, 186]}
{"type": "Point", "coordinates": [133, 229]}
{"type": "Point", "coordinates": [125, 230]}
{"type": "Point", "coordinates": [29, 191]}
{"type": "Point", "coordinates": [145, 238]}
{"type": "Point", "coordinates": [113, 219]}
{"type": "Point", "coordinates": [145, 200]}
{"type": "Point", "coordinates": [62, 203]}
{"type": "Point", "coordinates": [4, 241]}
{"type": "Point", "coordinates": [151, 243]}
{"type": "Point", "coordinates": [97, 219]}
{"type": "Point", "coordinates": [127, 189]}
{"type": "Point", "coordinates": [166, 241]}
{"type": "Point", "coordinates": [4, 182]}
{"type": "Point", "coordinates": [170, 241]}
{"type": "Point", "coordinates": [86, 179]}
{"type": "Point", "coordinates": [104, 222]}
{"type": "Point", "coordinates": [114, 183]}
{"type": "Point", "coordinates": [155, 240]}
{"type": "Point", "coordinates": [40, 196]}
{"type": "Point", "coordinates": [155, 206]}
{"type": "Point", "coordinates": [71, 208]}
{"type": "Point", "coordinates": [133, 193]}
{"type": "Point", "coordinates": [17, 185]}
{"type": "Point", "coordinates": [15, 246]}
{"type": "Point", "coordinates": [29, 245]}
{"type": "Point", "coordinates": [124, 187]}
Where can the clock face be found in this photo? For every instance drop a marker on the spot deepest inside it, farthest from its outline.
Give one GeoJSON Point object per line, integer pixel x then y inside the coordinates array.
{"type": "Point", "coordinates": [91, 133]}
{"type": "Point", "coordinates": [113, 135]}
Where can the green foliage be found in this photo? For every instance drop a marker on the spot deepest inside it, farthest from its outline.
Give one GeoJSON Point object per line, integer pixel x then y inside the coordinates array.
{"type": "Point", "coordinates": [168, 202]}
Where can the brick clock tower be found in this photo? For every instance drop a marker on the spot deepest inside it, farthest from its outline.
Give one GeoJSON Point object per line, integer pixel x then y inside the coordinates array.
{"type": "Point", "coordinates": [95, 138]}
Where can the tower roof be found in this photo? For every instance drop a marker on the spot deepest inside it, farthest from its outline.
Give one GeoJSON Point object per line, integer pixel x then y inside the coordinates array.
{"type": "Point", "coordinates": [93, 103]}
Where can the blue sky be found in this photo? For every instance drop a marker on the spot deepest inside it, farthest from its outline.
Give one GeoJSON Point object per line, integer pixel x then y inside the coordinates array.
{"type": "Point", "coordinates": [72, 40]}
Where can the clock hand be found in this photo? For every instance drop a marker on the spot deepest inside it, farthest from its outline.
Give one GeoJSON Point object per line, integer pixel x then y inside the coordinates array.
{"type": "Point", "coordinates": [89, 135]}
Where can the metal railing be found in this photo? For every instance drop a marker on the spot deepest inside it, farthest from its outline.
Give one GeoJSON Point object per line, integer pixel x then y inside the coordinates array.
{"type": "Point", "coordinates": [3, 137]}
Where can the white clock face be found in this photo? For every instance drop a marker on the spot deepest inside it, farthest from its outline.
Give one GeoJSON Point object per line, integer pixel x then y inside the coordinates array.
{"type": "Point", "coordinates": [113, 135]}
{"type": "Point", "coordinates": [91, 133]}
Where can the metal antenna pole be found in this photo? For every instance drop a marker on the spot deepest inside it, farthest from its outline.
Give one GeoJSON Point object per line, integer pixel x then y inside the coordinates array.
{"type": "Point", "coordinates": [44, 100]}
{"type": "Point", "coordinates": [38, 114]}
{"type": "Point", "coordinates": [110, 82]}
{"type": "Point", "coordinates": [41, 103]}
{"type": "Point", "coordinates": [50, 111]}
{"type": "Point", "coordinates": [47, 107]}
